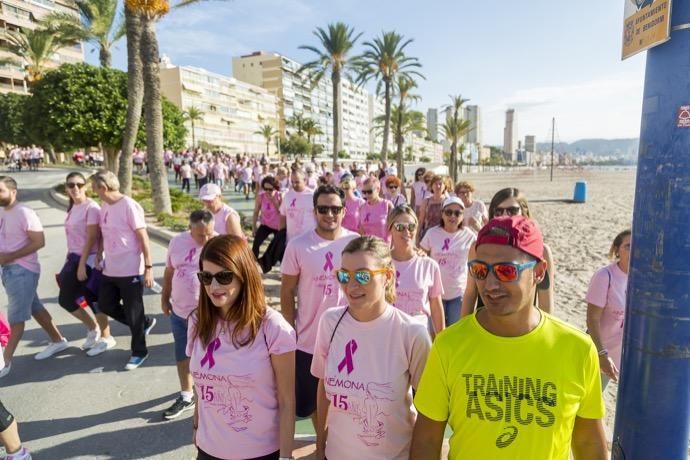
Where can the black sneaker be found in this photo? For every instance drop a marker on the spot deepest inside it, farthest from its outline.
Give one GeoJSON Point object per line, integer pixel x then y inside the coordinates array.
{"type": "Point", "coordinates": [177, 408]}
{"type": "Point", "coordinates": [149, 322]}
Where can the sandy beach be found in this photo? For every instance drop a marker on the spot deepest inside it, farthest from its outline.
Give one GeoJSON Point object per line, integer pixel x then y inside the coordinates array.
{"type": "Point", "coordinates": [579, 234]}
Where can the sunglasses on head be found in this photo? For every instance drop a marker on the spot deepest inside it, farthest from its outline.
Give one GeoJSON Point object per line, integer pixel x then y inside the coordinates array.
{"type": "Point", "coordinates": [506, 272]}
{"type": "Point", "coordinates": [75, 184]}
{"type": "Point", "coordinates": [509, 211]}
{"type": "Point", "coordinates": [362, 276]}
{"type": "Point", "coordinates": [206, 278]}
{"type": "Point", "coordinates": [450, 213]}
{"type": "Point", "coordinates": [335, 210]}
{"type": "Point", "coordinates": [401, 227]}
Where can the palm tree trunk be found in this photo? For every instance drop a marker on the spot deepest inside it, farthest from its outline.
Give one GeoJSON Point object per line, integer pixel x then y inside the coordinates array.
{"type": "Point", "coordinates": [105, 57]}
{"type": "Point", "coordinates": [386, 122]}
{"type": "Point", "coordinates": [453, 161]}
{"type": "Point", "coordinates": [336, 116]}
{"type": "Point", "coordinates": [135, 98]}
{"type": "Point", "coordinates": [268, 144]}
{"type": "Point", "coordinates": [399, 141]}
{"type": "Point", "coordinates": [193, 136]}
{"type": "Point", "coordinates": [153, 114]}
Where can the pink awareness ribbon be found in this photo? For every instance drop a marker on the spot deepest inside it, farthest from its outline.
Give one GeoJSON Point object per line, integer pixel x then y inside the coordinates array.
{"type": "Point", "coordinates": [293, 202]}
{"type": "Point", "coordinates": [350, 349]}
{"type": "Point", "coordinates": [208, 357]}
{"type": "Point", "coordinates": [328, 266]}
{"type": "Point", "coordinates": [190, 255]}
{"type": "Point", "coordinates": [446, 242]}
{"type": "Point", "coordinates": [366, 219]}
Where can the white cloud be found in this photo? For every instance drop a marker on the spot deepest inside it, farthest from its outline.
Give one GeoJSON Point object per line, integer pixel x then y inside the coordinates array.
{"type": "Point", "coordinates": [605, 107]}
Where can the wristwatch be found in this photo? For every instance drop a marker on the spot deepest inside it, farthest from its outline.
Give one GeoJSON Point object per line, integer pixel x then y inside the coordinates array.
{"type": "Point", "coordinates": [286, 458]}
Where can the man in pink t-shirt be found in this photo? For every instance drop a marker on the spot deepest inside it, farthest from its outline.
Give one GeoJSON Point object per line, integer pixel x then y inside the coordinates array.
{"type": "Point", "coordinates": [180, 297]}
{"type": "Point", "coordinates": [21, 236]}
{"type": "Point", "coordinates": [127, 257]}
{"type": "Point", "coordinates": [308, 269]}
{"type": "Point", "coordinates": [227, 220]}
{"type": "Point", "coordinates": [297, 207]}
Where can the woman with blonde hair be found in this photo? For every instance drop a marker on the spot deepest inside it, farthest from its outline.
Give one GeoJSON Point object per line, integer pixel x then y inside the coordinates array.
{"type": "Point", "coordinates": [430, 211]}
{"type": "Point", "coordinates": [364, 405]}
{"type": "Point", "coordinates": [242, 360]}
{"type": "Point", "coordinates": [606, 296]}
{"type": "Point", "coordinates": [418, 282]}
{"type": "Point", "coordinates": [373, 213]}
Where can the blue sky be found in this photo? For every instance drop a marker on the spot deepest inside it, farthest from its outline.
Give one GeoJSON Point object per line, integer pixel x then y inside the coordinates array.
{"type": "Point", "coordinates": [542, 57]}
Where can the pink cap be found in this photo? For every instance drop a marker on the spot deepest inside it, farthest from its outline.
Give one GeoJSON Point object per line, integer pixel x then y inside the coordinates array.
{"type": "Point", "coordinates": [517, 231]}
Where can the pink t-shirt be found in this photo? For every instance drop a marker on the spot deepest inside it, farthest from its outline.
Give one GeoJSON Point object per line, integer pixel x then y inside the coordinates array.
{"type": "Point", "coordinates": [315, 261]}
{"type": "Point", "coordinates": [416, 281]}
{"type": "Point", "coordinates": [81, 215]}
{"type": "Point", "coordinates": [351, 218]}
{"type": "Point", "coordinates": [270, 213]}
{"type": "Point", "coordinates": [419, 193]}
{"type": "Point", "coordinates": [237, 391]}
{"type": "Point", "coordinates": [15, 224]}
{"type": "Point", "coordinates": [372, 218]}
{"type": "Point", "coordinates": [367, 371]}
{"type": "Point", "coordinates": [450, 251]}
{"type": "Point", "coordinates": [183, 257]}
{"type": "Point", "coordinates": [221, 217]}
{"type": "Point", "coordinates": [608, 290]}
{"type": "Point", "coordinates": [122, 249]}
{"type": "Point", "coordinates": [298, 209]}
{"type": "Point", "coordinates": [476, 211]}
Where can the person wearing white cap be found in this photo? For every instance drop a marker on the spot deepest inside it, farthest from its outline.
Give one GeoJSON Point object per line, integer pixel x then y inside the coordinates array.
{"type": "Point", "coordinates": [227, 220]}
{"type": "Point", "coordinates": [449, 244]}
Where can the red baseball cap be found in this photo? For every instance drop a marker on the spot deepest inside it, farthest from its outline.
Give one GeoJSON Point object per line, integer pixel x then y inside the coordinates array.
{"type": "Point", "coordinates": [517, 231]}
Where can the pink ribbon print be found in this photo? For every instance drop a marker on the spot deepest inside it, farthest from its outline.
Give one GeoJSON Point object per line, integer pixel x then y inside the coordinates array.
{"type": "Point", "coordinates": [208, 357]}
{"type": "Point", "coordinates": [328, 266]}
{"type": "Point", "coordinates": [397, 279]}
{"type": "Point", "coordinates": [350, 349]}
{"type": "Point", "coordinates": [366, 219]}
{"type": "Point", "coordinates": [190, 255]}
{"type": "Point", "coordinates": [105, 218]}
{"type": "Point", "coordinates": [293, 202]}
{"type": "Point", "coordinates": [446, 244]}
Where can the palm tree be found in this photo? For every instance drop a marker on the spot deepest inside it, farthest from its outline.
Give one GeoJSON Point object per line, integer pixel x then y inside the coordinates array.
{"type": "Point", "coordinates": [267, 132]}
{"type": "Point", "coordinates": [311, 129]}
{"type": "Point", "coordinates": [455, 106]}
{"type": "Point", "coordinates": [98, 22]}
{"type": "Point", "coordinates": [405, 122]}
{"type": "Point", "coordinates": [296, 121]}
{"type": "Point", "coordinates": [33, 49]}
{"type": "Point", "coordinates": [336, 43]}
{"type": "Point", "coordinates": [193, 115]}
{"type": "Point", "coordinates": [384, 59]}
{"type": "Point", "coordinates": [403, 86]}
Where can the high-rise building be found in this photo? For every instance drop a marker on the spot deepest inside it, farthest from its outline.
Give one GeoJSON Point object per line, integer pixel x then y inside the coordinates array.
{"type": "Point", "coordinates": [474, 135]}
{"type": "Point", "coordinates": [510, 136]}
{"type": "Point", "coordinates": [233, 111]}
{"type": "Point", "coordinates": [432, 124]}
{"type": "Point", "coordinates": [16, 15]}
{"type": "Point", "coordinates": [530, 148]}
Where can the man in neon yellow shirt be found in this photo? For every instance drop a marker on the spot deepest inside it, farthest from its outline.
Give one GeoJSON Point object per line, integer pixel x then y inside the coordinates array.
{"type": "Point", "coordinates": [513, 382]}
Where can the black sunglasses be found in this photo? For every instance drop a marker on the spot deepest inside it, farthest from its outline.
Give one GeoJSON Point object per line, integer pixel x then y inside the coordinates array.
{"type": "Point", "coordinates": [509, 211]}
{"type": "Point", "coordinates": [335, 210]}
{"type": "Point", "coordinates": [450, 212]}
{"type": "Point", "coordinates": [225, 277]}
{"type": "Point", "coordinates": [367, 192]}
{"type": "Point", "coordinates": [75, 184]}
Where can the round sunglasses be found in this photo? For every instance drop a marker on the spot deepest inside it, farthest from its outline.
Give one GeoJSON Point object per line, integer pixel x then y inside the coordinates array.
{"type": "Point", "coordinates": [206, 278]}
{"type": "Point", "coordinates": [505, 272]}
{"type": "Point", "coordinates": [401, 227]}
{"type": "Point", "coordinates": [362, 276]}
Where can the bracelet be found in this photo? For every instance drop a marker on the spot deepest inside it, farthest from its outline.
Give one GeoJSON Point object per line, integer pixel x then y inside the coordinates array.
{"type": "Point", "coordinates": [603, 352]}
{"type": "Point", "coordinates": [148, 267]}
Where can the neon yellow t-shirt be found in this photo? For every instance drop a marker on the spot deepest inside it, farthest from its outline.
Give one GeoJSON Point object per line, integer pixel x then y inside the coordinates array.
{"type": "Point", "coordinates": [511, 397]}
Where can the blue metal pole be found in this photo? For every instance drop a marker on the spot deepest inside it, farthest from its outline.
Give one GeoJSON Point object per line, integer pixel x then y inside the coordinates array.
{"type": "Point", "coordinates": [653, 410]}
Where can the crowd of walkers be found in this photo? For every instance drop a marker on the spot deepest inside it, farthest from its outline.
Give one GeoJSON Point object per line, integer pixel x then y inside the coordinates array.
{"type": "Point", "coordinates": [402, 311]}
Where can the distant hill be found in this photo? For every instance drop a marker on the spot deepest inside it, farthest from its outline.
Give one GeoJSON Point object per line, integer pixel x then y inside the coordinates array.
{"type": "Point", "coordinates": [594, 146]}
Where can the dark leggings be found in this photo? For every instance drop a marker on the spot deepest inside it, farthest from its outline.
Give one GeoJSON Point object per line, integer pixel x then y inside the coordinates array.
{"type": "Point", "coordinates": [263, 232]}
{"type": "Point", "coordinates": [185, 185]}
{"type": "Point", "coordinates": [6, 418]}
{"type": "Point", "coordinates": [129, 289]}
{"type": "Point", "coordinates": [201, 455]}
{"type": "Point", "coordinates": [72, 290]}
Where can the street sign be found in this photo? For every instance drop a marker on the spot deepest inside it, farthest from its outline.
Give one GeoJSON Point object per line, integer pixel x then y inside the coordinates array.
{"type": "Point", "coordinates": [647, 23]}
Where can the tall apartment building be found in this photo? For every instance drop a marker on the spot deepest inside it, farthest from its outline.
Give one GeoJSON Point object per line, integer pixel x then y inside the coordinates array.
{"type": "Point", "coordinates": [279, 75]}
{"type": "Point", "coordinates": [473, 114]}
{"type": "Point", "coordinates": [432, 124]}
{"type": "Point", "coordinates": [17, 15]}
{"type": "Point", "coordinates": [510, 136]}
{"type": "Point", "coordinates": [530, 148]}
{"type": "Point", "coordinates": [233, 111]}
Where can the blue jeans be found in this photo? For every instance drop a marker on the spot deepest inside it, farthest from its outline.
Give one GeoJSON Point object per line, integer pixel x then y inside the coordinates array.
{"type": "Point", "coordinates": [178, 326]}
{"type": "Point", "coordinates": [20, 286]}
{"type": "Point", "coordinates": [451, 310]}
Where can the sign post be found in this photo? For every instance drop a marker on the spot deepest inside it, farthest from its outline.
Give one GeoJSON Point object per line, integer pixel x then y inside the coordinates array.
{"type": "Point", "coordinates": [653, 407]}
{"type": "Point", "coordinates": [647, 24]}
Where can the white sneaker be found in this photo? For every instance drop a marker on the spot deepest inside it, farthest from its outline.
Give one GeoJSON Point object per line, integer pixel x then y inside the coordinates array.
{"type": "Point", "coordinates": [52, 348]}
{"type": "Point", "coordinates": [5, 370]}
{"type": "Point", "coordinates": [21, 454]}
{"type": "Point", "coordinates": [103, 344]}
{"type": "Point", "coordinates": [91, 338]}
